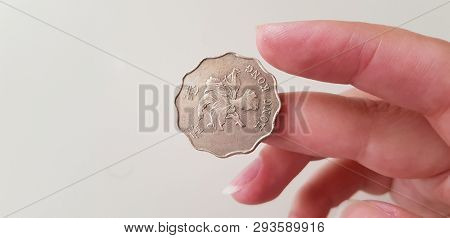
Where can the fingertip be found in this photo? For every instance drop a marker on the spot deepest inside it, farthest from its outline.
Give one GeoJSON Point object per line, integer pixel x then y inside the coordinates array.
{"type": "Point", "coordinates": [264, 41]}
{"type": "Point", "coordinates": [277, 168]}
{"type": "Point", "coordinates": [273, 40]}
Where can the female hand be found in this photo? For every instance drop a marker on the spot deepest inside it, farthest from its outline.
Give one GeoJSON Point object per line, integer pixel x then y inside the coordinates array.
{"type": "Point", "coordinates": [391, 135]}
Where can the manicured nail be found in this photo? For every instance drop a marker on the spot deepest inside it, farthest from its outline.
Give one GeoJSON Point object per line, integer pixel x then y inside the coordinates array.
{"type": "Point", "coordinates": [243, 178]}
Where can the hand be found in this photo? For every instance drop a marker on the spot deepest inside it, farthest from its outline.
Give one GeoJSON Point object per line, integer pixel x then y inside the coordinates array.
{"type": "Point", "coordinates": [391, 136]}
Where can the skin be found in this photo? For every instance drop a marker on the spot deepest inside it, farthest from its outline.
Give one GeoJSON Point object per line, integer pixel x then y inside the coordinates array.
{"type": "Point", "coordinates": [389, 135]}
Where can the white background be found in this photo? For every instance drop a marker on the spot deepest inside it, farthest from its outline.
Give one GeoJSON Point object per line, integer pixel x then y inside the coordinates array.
{"type": "Point", "coordinates": [68, 110]}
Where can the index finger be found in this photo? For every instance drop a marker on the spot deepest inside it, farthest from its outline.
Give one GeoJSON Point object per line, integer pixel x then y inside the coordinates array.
{"type": "Point", "coordinates": [404, 68]}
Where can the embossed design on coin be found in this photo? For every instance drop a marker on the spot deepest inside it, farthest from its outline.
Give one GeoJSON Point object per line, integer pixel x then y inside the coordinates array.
{"type": "Point", "coordinates": [227, 105]}
{"type": "Point", "coordinates": [221, 101]}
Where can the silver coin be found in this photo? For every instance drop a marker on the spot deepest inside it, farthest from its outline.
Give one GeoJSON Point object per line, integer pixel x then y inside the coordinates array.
{"type": "Point", "coordinates": [227, 105]}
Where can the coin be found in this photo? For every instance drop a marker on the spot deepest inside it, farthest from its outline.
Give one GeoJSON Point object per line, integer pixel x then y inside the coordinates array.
{"type": "Point", "coordinates": [227, 105]}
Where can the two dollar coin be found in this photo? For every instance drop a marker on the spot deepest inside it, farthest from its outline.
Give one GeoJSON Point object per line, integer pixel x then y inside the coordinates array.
{"type": "Point", "coordinates": [227, 105]}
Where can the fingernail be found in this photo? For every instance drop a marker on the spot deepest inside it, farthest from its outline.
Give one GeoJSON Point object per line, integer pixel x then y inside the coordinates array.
{"type": "Point", "coordinates": [345, 208]}
{"type": "Point", "coordinates": [371, 209]}
{"type": "Point", "coordinates": [386, 209]}
{"type": "Point", "coordinates": [244, 178]}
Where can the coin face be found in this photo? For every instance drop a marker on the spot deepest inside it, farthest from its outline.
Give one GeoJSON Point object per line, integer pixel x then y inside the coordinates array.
{"type": "Point", "coordinates": [227, 105]}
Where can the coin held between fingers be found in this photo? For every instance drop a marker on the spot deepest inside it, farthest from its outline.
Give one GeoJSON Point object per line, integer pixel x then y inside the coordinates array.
{"type": "Point", "coordinates": [227, 105]}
